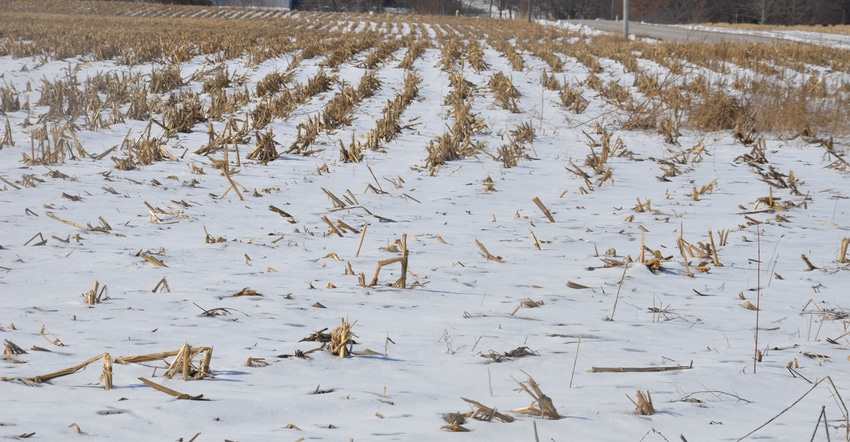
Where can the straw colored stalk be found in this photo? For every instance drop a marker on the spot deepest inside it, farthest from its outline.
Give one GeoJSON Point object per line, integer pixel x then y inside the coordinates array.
{"type": "Point", "coordinates": [107, 371]}
{"type": "Point", "coordinates": [362, 236]}
{"type": "Point", "coordinates": [334, 229]}
{"type": "Point", "coordinates": [403, 259]}
{"type": "Point", "coordinates": [685, 257]}
{"type": "Point", "coordinates": [484, 413]}
{"type": "Point", "coordinates": [842, 256]}
{"type": "Point", "coordinates": [543, 209]}
{"type": "Point", "coordinates": [640, 369]}
{"type": "Point", "coordinates": [70, 223]}
{"type": "Point", "coordinates": [402, 280]}
{"type": "Point", "coordinates": [55, 341]}
{"type": "Point", "coordinates": [225, 170]}
{"type": "Point", "coordinates": [7, 135]}
{"type": "Point", "coordinates": [527, 303]}
{"type": "Point", "coordinates": [643, 404]}
{"type": "Point", "coordinates": [714, 250]}
{"type": "Point", "coordinates": [487, 254]}
{"type": "Point", "coordinates": [534, 240]}
{"type": "Point", "coordinates": [71, 370]}
{"type": "Point", "coordinates": [171, 392]}
{"type": "Point", "coordinates": [94, 295]}
{"type": "Point", "coordinates": [338, 203]}
{"type": "Point", "coordinates": [682, 249]}
{"type": "Point", "coordinates": [542, 405]}
{"type": "Point", "coordinates": [9, 183]}
{"type": "Point", "coordinates": [13, 349]}
{"type": "Point", "coordinates": [162, 285]}
{"type": "Point", "coordinates": [155, 261]}
{"type": "Point", "coordinates": [808, 263]}
{"type": "Point", "coordinates": [342, 342]}
{"type": "Point", "coordinates": [183, 363]}
{"type": "Point", "coordinates": [145, 358]}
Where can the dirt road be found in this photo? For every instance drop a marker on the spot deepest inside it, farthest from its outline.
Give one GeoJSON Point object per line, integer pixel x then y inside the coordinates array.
{"type": "Point", "coordinates": [674, 33]}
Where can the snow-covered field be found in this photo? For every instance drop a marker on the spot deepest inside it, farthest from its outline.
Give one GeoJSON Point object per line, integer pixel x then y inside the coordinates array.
{"type": "Point", "coordinates": [819, 38]}
{"type": "Point", "coordinates": [571, 293]}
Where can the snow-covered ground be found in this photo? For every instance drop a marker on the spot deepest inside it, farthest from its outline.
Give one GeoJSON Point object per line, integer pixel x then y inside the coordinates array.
{"type": "Point", "coordinates": [582, 304]}
{"type": "Point", "coordinates": [820, 38]}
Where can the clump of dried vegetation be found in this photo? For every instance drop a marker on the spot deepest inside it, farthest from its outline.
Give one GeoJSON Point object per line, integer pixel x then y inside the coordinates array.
{"type": "Point", "coordinates": [504, 91]}
{"type": "Point", "coordinates": [675, 84]}
{"type": "Point", "coordinates": [457, 142]}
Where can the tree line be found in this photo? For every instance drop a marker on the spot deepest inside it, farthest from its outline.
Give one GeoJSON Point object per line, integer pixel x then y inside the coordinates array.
{"type": "Point", "coordinates": [781, 12]}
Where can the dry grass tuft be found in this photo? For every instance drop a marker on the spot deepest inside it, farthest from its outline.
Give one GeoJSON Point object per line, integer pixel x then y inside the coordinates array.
{"type": "Point", "coordinates": [572, 99]}
{"type": "Point", "coordinates": [504, 91]}
{"type": "Point", "coordinates": [718, 111]}
{"type": "Point", "coordinates": [166, 78]}
{"type": "Point", "coordinates": [353, 153]}
{"type": "Point", "coordinates": [457, 142]}
{"type": "Point", "coordinates": [266, 150]}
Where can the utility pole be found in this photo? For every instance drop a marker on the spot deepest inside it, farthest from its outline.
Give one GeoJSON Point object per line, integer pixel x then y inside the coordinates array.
{"type": "Point", "coordinates": [626, 18]}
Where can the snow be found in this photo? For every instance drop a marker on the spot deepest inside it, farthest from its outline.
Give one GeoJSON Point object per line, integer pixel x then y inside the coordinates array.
{"type": "Point", "coordinates": [819, 38]}
{"type": "Point", "coordinates": [429, 339]}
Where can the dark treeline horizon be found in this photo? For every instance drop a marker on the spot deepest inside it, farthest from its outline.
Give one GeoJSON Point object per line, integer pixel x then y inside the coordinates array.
{"type": "Point", "coordinates": [777, 12]}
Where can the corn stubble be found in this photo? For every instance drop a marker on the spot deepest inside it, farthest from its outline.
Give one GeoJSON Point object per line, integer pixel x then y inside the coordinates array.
{"type": "Point", "coordinates": [677, 96]}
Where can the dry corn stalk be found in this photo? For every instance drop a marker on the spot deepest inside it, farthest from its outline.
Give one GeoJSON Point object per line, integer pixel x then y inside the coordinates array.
{"type": "Point", "coordinates": [256, 362]}
{"type": "Point", "coordinates": [247, 291]}
{"type": "Point", "coordinates": [543, 209]}
{"type": "Point", "coordinates": [94, 296]}
{"type": "Point", "coordinates": [541, 405]}
{"type": "Point", "coordinates": [644, 403]}
{"type": "Point", "coordinates": [808, 263]}
{"type": "Point", "coordinates": [484, 413]}
{"type": "Point", "coordinates": [653, 369]}
{"type": "Point", "coordinates": [107, 372]}
{"type": "Point", "coordinates": [455, 427]}
{"type": "Point", "coordinates": [527, 303]}
{"type": "Point", "coordinates": [842, 256]}
{"type": "Point", "coordinates": [55, 341]}
{"type": "Point", "coordinates": [12, 349]}
{"type": "Point", "coordinates": [7, 135]}
{"type": "Point", "coordinates": [504, 91]}
{"type": "Point", "coordinates": [342, 339]}
{"type": "Point", "coordinates": [487, 254]}
{"type": "Point", "coordinates": [401, 282]}
{"type": "Point", "coordinates": [153, 260]}
{"type": "Point", "coordinates": [162, 285]}
{"type": "Point", "coordinates": [171, 392]}
{"type": "Point", "coordinates": [183, 363]}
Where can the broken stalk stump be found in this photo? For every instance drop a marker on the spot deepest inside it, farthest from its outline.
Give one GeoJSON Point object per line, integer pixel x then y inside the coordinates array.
{"type": "Point", "coordinates": [487, 254]}
{"type": "Point", "coordinates": [484, 413]}
{"type": "Point", "coordinates": [171, 392]}
{"type": "Point", "coordinates": [542, 405]}
{"type": "Point", "coordinates": [643, 404]}
{"type": "Point", "coordinates": [543, 209]}
{"type": "Point", "coordinates": [402, 281]}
